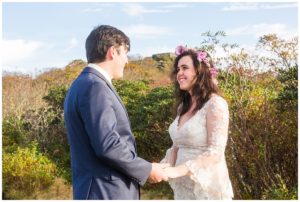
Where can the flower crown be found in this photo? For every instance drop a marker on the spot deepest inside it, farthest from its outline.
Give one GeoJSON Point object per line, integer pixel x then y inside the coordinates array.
{"type": "Point", "coordinates": [202, 56]}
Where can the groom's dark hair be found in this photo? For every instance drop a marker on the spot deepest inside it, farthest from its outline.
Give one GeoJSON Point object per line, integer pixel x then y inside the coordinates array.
{"type": "Point", "coordinates": [101, 39]}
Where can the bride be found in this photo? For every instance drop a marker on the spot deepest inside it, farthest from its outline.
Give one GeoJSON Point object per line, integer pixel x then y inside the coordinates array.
{"type": "Point", "coordinates": [199, 132]}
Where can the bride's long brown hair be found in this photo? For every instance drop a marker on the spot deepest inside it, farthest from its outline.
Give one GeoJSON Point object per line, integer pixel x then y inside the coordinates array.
{"type": "Point", "coordinates": [203, 87]}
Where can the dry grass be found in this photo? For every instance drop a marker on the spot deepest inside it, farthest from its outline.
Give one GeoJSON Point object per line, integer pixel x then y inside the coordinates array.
{"type": "Point", "coordinates": [59, 190]}
{"type": "Point", "coordinates": [20, 93]}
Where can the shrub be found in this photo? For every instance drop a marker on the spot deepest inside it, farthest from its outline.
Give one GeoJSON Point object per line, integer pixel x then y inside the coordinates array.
{"type": "Point", "coordinates": [154, 139]}
{"type": "Point", "coordinates": [46, 126]}
{"type": "Point", "coordinates": [150, 116]}
{"type": "Point", "coordinates": [262, 140]}
{"type": "Point", "coordinates": [26, 171]}
{"type": "Point", "coordinates": [56, 96]}
{"type": "Point", "coordinates": [288, 97]}
{"type": "Point", "coordinates": [280, 191]}
{"type": "Point", "coordinates": [13, 133]}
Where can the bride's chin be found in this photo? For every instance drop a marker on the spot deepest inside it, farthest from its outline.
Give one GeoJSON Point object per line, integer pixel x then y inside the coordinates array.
{"type": "Point", "coordinates": [182, 87]}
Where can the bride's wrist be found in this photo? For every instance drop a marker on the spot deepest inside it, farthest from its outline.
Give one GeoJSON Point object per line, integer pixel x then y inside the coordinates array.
{"type": "Point", "coordinates": [183, 170]}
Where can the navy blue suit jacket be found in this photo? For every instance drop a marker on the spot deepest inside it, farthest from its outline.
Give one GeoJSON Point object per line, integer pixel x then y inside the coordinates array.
{"type": "Point", "coordinates": [104, 161]}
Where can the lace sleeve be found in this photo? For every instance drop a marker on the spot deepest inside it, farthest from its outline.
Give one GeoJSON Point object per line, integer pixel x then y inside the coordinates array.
{"type": "Point", "coordinates": [217, 120]}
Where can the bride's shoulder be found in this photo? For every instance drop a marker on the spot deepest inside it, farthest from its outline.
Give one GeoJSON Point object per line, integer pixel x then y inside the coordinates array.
{"type": "Point", "coordinates": [218, 100]}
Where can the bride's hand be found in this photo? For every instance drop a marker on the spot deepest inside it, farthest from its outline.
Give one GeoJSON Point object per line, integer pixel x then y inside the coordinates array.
{"type": "Point", "coordinates": [172, 172]}
{"type": "Point", "coordinates": [164, 165]}
{"type": "Point", "coordinates": [178, 171]}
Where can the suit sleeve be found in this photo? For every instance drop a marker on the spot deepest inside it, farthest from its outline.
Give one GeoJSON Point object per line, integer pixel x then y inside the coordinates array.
{"type": "Point", "coordinates": [100, 122]}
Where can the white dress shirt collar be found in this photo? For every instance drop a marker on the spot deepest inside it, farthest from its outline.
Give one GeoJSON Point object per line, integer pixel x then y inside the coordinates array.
{"type": "Point", "coordinates": [102, 71]}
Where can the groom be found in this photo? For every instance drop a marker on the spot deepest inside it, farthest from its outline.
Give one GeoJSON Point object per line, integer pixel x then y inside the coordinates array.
{"type": "Point", "coordinates": [105, 164]}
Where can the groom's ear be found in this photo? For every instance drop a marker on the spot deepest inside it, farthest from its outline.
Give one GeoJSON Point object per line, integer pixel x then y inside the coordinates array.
{"type": "Point", "coordinates": [110, 53]}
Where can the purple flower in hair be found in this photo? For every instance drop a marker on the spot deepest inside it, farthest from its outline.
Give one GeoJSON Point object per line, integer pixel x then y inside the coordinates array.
{"type": "Point", "coordinates": [179, 50]}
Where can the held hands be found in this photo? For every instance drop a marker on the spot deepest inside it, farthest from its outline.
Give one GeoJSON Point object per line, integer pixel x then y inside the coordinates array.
{"type": "Point", "coordinates": [158, 173]}
{"type": "Point", "coordinates": [172, 172]}
{"type": "Point", "coordinates": [163, 171]}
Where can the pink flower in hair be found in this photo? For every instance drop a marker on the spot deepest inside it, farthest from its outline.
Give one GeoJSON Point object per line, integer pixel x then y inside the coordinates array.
{"type": "Point", "coordinates": [202, 56]}
{"type": "Point", "coordinates": [213, 71]}
{"type": "Point", "coordinates": [179, 50]}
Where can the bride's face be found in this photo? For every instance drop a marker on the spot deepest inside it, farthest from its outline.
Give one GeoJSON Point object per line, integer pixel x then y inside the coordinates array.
{"type": "Point", "coordinates": [186, 73]}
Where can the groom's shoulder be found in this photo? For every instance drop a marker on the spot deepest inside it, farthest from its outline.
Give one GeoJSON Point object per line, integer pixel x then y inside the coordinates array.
{"type": "Point", "coordinates": [87, 81]}
{"type": "Point", "coordinates": [89, 74]}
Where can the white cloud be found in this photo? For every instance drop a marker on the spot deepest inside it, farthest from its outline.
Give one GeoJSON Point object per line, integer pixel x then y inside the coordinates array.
{"type": "Point", "coordinates": [251, 50]}
{"type": "Point", "coordinates": [73, 43]}
{"type": "Point", "coordinates": [279, 6]}
{"type": "Point", "coordinates": [91, 10]}
{"type": "Point", "coordinates": [241, 6]}
{"type": "Point", "coordinates": [259, 30]}
{"type": "Point", "coordinates": [16, 51]}
{"type": "Point", "coordinates": [137, 10]}
{"type": "Point", "coordinates": [149, 51]}
{"type": "Point", "coordinates": [177, 6]}
{"type": "Point", "coordinates": [257, 6]}
{"type": "Point", "coordinates": [105, 4]}
{"type": "Point", "coordinates": [31, 57]}
{"type": "Point", "coordinates": [219, 52]}
{"type": "Point", "coordinates": [145, 31]}
{"type": "Point", "coordinates": [97, 7]}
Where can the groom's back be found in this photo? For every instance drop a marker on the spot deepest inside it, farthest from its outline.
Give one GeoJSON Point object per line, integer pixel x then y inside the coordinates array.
{"type": "Point", "coordinates": [88, 166]}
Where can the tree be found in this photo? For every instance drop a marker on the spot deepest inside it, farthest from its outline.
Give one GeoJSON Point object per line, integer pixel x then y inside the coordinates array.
{"type": "Point", "coordinates": [285, 51]}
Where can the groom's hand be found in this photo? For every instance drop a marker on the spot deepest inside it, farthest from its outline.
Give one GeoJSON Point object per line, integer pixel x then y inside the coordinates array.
{"type": "Point", "coordinates": [158, 173]}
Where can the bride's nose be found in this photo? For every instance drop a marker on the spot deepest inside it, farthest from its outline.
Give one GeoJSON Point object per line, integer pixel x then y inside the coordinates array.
{"type": "Point", "coordinates": [179, 71]}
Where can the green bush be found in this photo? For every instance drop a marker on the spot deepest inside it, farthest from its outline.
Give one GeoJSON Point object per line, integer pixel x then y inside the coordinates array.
{"type": "Point", "coordinates": [153, 140]}
{"type": "Point", "coordinates": [55, 97]}
{"type": "Point", "coordinates": [150, 116]}
{"type": "Point", "coordinates": [262, 140]}
{"type": "Point", "coordinates": [46, 126]}
{"type": "Point", "coordinates": [26, 171]}
{"type": "Point", "coordinates": [13, 133]}
{"type": "Point", "coordinates": [280, 191]}
{"type": "Point", "coordinates": [133, 95]}
{"type": "Point", "coordinates": [288, 97]}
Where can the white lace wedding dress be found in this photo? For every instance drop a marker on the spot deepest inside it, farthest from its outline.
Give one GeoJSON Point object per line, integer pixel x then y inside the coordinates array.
{"type": "Point", "coordinates": [201, 143]}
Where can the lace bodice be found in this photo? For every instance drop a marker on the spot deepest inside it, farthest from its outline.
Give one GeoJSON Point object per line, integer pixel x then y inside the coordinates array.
{"type": "Point", "coordinates": [201, 143]}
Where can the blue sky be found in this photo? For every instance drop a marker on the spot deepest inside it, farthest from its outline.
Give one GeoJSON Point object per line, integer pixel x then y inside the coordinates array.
{"type": "Point", "coordinates": [39, 35]}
